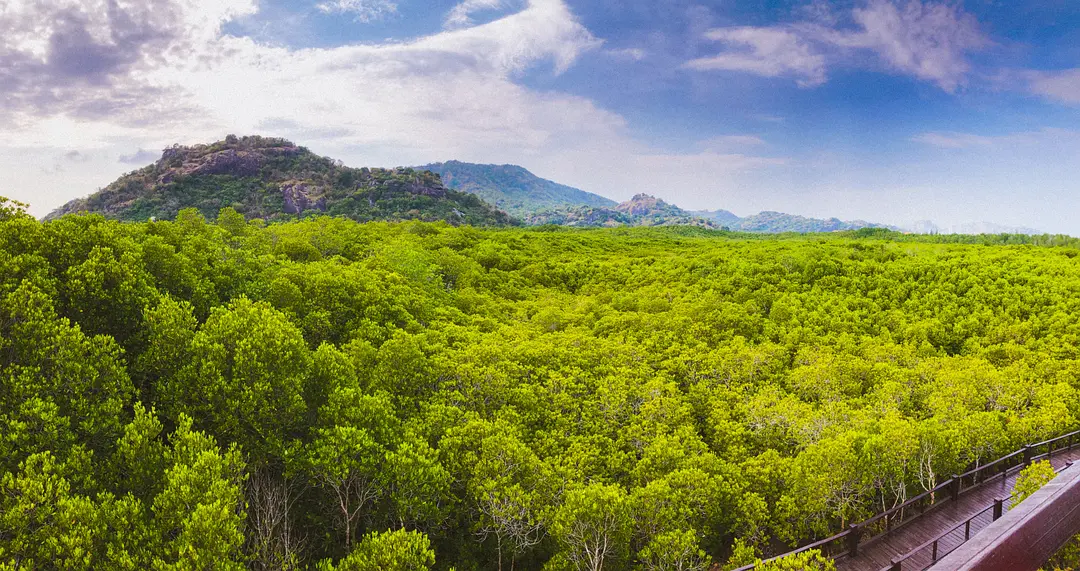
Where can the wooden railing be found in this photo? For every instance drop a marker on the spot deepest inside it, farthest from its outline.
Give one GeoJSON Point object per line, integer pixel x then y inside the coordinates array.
{"type": "Point", "coordinates": [926, 555]}
{"type": "Point", "coordinates": [846, 543]}
{"type": "Point", "coordinates": [1026, 537]}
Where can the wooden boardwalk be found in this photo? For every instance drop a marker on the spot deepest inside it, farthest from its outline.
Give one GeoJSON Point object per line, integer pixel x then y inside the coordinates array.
{"type": "Point", "coordinates": [878, 554]}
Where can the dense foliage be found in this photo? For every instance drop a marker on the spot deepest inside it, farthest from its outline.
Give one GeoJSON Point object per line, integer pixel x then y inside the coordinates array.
{"type": "Point", "coordinates": [334, 395]}
{"type": "Point", "coordinates": [1030, 480]}
{"type": "Point", "coordinates": [272, 179]}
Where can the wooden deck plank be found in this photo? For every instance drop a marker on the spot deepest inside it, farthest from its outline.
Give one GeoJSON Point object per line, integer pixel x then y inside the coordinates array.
{"type": "Point", "coordinates": [879, 553]}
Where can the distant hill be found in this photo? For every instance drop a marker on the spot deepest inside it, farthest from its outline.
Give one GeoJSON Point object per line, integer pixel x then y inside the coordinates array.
{"type": "Point", "coordinates": [928, 227]}
{"type": "Point", "coordinates": [721, 217]}
{"type": "Point", "coordinates": [641, 210]}
{"type": "Point", "coordinates": [776, 222]}
{"type": "Point", "coordinates": [274, 179]}
{"type": "Point", "coordinates": [512, 188]}
{"type": "Point", "coordinates": [645, 210]}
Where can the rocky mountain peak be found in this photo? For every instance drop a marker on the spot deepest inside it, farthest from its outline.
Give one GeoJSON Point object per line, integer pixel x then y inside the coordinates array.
{"type": "Point", "coordinates": [643, 205]}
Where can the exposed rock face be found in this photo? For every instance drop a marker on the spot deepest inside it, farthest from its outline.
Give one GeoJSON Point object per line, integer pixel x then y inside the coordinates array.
{"type": "Point", "coordinates": [642, 205]}
{"type": "Point", "coordinates": [300, 196]}
{"type": "Point", "coordinates": [231, 161]}
{"type": "Point", "coordinates": [417, 185]}
{"type": "Point", "coordinates": [234, 157]}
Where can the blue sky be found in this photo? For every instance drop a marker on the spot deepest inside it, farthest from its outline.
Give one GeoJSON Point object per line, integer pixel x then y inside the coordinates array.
{"type": "Point", "coordinates": [886, 110]}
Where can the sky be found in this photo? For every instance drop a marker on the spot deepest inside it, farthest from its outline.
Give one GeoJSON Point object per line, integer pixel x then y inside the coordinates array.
{"type": "Point", "coordinates": [892, 111]}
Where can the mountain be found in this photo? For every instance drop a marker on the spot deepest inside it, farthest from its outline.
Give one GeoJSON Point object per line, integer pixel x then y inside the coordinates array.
{"type": "Point", "coordinates": [274, 179]}
{"type": "Point", "coordinates": [645, 210]}
{"type": "Point", "coordinates": [641, 210]}
{"type": "Point", "coordinates": [512, 188]}
{"type": "Point", "coordinates": [776, 222]}
{"type": "Point", "coordinates": [720, 217]}
{"type": "Point", "coordinates": [928, 227]}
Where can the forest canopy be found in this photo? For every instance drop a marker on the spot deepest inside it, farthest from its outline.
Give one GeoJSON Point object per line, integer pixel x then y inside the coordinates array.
{"type": "Point", "coordinates": [327, 394]}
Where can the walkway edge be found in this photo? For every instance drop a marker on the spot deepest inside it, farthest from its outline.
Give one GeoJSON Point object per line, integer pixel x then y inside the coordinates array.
{"type": "Point", "coordinates": [1028, 535]}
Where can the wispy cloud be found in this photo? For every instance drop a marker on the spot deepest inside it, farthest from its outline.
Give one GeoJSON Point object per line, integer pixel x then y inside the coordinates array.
{"type": "Point", "coordinates": [633, 54]}
{"type": "Point", "coordinates": [926, 40]}
{"type": "Point", "coordinates": [461, 15]}
{"type": "Point", "coordinates": [361, 10]}
{"type": "Point", "coordinates": [1062, 86]}
{"type": "Point", "coordinates": [769, 52]}
{"type": "Point", "coordinates": [956, 140]}
{"type": "Point", "coordinates": [729, 143]}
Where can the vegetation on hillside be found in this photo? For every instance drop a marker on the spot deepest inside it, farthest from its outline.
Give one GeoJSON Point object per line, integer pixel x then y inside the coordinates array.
{"type": "Point", "coordinates": [273, 180]}
{"type": "Point", "coordinates": [514, 189]}
{"type": "Point", "coordinates": [326, 394]}
{"type": "Point", "coordinates": [778, 222]}
{"type": "Point", "coordinates": [641, 210]}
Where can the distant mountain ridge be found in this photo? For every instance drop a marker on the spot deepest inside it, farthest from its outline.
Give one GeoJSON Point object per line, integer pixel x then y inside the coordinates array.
{"type": "Point", "coordinates": [641, 210]}
{"type": "Point", "coordinates": [513, 188]}
{"type": "Point", "coordinates": [775, 222]}
{"type": "Point", "coordinates": [540, 201]}
{"type": "Point", "coordinates": [274, 179]}
{"type": "Point", "coordinates": [928, 227]}
{"type": "Point", "coordinates": [646, 210]}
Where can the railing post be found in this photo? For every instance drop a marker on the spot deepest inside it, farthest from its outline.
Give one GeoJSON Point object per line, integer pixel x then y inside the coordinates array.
{"type": "Point", "coordinates": [896, 566]}
{"type": "Point", "coordinates": [854, 531]}
{"type": "Point", "coordinates": [954, 487]}
{"type": "Point", "coordinates": [933, 557]}
{"type": "Point", "coordinates": [998, 504]}
{"type": "Point", "coordinates": [967, 530]}
{"type": "Point", "coordinates": [1027, 455]}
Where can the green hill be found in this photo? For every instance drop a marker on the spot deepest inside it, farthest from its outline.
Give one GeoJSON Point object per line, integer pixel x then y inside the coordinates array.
{"type": "Point", "coordinates": [720, 217]}
{"type": "Point", "coordinates": [777, 222]}
{"type": "Point", "coordinates": [641, 210]}
{"type": "Point", "coordinates": [274, 179]}
{"type": "Point", "coordinates": [512, 188]}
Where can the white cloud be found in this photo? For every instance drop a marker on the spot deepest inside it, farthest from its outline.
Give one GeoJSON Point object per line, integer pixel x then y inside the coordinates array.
{"type": "Point", "coordinates": [361, 10]}
{"type": "Point", "coordinates": [1063, 86]}
{"type": "Point", "coordinates": [955, 140]}
{"type": "Point", "coordinates": [460, 16]}
{"type": "Point", "coordinates": [634, 54]}
{"type": "Point", "coordinates": [453, 94]}
{"type": "Point", "coordinates": [731, 142]}
{"type": "Point", "coordinates": [927, 40]}
{"type": "Point", "coordinates": [769, 52]}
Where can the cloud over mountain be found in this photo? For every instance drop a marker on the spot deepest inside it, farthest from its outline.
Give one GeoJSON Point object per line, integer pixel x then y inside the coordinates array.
{"type": "Point", "coordinates": [926, 40]}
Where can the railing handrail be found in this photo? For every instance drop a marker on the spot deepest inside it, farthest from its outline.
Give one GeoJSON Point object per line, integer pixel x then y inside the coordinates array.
{"type": "Point", "coordinates": [941, 536]}
{"type": "Point", "coordinates": [984, 467]}
{"type": "Point", "coordinates": [991, 508]}
{"type": "Point", "coordinates": [807, 547]}
{"type": "Point", "coordinates": [956, 480]}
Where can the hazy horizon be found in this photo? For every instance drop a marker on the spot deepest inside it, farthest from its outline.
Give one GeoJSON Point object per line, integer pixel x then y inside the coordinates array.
{"type": "Point", "coordinates": [889, 111]}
